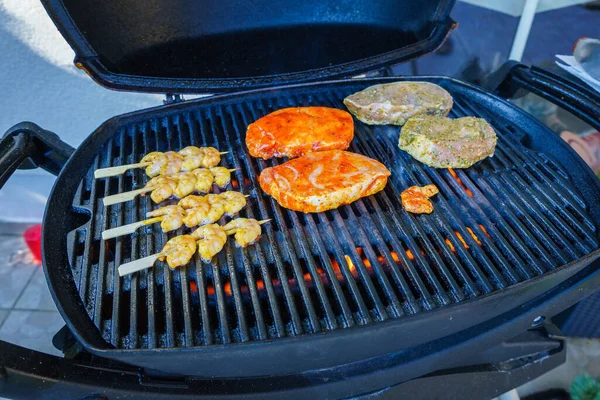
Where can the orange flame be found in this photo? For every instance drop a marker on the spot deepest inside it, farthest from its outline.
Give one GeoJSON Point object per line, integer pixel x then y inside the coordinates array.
{"type": "Point", "coordinates": [350, 264]}
{"type": "Point", "coordinates": [410, 255]}
{"type": "Point", "coordinates": [474, 236]}
{"type": "Point", "coordinates": [465, 245]}
{"type": "Point", "coordinates": [227, 288]}
{"type": "Point", "coordinates": [484, 231]}
{"type": "Point", "coordinates": [193, 286]}
{"type": "Point", "coordinates": [395, 256]}
{"type": "Point", "coordinates": [449, 243]}
{"type": "Point", "coordinates": [460, 182]}
{"type": "Point", "coordinates": [235, 184]}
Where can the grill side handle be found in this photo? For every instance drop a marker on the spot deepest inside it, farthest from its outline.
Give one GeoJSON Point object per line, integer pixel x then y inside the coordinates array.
{"type": "Point", "coordinates": [27, 146]}
{"type": "Point", "coordinates": [575, 97]}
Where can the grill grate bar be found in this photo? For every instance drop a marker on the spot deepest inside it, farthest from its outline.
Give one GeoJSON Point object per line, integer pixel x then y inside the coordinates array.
{"type": "Point", "coordinates": [274, 307]}
{"type": "Point", "coordinates": [222, 311]}
{"type": "Point", "coordinates": [364, 316]}
{"type": "Point", "coordinates": [332, 278]}
{"type": "Point", "coordinates": [102, 262]}
{"type": "Point", "coordinates": [217, 283]}
{"type": "Point", "coordinates": [201, 289]}
{"type": "Point", "coordinates": [207, 334]}
{"type": "Point", "coordinates": [115, 335]}
{"type": "Point", "coordinates": [163, 135]}
{"type": "Point", "coordinates": [188, 338]}
{"type": "Point", "coordinates": [150, 272]}
{"type": "Point", "coordinates": [237, 295]}
{"type": "Point", "coordinates": [89, 237]}
{"type": "Point", "coordinates": [135, 213]}
{"type": "Point", "coordinates": [252, 288]}
{"type": "Point", "coordinates": [235, 288]}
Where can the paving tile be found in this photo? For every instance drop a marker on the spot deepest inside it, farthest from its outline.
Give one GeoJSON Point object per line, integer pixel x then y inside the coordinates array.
{"type": "Point", "coordinates": [3, 314]}
{"type": "Point", "coordinates": [36, 295]}
{"type": "Point", "coordinates": [582, 357]}
{"type": "Point", "coordinates": [13, 276]}
{"type": "Point", "coordinates": [32, 329]}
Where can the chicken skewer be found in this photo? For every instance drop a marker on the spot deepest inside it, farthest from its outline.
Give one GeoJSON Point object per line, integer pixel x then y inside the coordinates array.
{"type": "Point", "coordinates": [208, 240]}
{"type": "Point", "coordinates": [157, 163]}
{"type": "Point", "coordinates": [191, 211]}
{"type": "Point", "coordinates": [179, 185]}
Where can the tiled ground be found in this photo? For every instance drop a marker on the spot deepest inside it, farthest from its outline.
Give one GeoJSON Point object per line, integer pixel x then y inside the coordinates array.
{"type": "Point", "coordinates": [28, 316]}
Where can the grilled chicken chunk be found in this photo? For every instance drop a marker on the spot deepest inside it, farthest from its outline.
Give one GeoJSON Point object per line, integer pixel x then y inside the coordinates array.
{"type": "Point", "coordinates": [394, 103]}
{"type": "Point", "coordinates": [448, 143]}
{"type": "Point", "coordinates": [292, 132]}
{"type": "Point", "coordinates": [323, 180]}
{"type": "Point", "coordinates": [415, 199]}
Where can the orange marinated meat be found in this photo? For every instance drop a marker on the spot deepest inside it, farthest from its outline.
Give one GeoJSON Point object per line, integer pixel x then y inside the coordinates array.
{"type": "Point", "coordinates": [415, 199]}
{"type": "Point", "coordinates": [293, 132]}
{"type": "Point", "coordinates": [323, 180]}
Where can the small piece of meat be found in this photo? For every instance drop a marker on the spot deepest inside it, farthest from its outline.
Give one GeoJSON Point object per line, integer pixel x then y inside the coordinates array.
{"type": "Point", "coordinates": [293, 132]}
{"type": "Point", "coordinates": [415, 199]}
{"type": "Point", "coordinates": [448, 143]}
{"type": "Point", "coordinates": [394, 103]}
{"type": "Point", "coordinates": [323, 180]}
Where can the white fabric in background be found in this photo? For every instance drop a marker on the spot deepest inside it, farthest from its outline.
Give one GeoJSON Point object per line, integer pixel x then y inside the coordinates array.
{"type": "Point", "coordinates": [570, 64]}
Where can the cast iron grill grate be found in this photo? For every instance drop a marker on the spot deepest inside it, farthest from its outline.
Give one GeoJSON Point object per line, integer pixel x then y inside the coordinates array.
{"type": "Point", "coordinates": [506, 220]}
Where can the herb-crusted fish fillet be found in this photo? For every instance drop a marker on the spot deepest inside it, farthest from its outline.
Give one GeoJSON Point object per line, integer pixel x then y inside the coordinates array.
{"type": "Point", "coordinates": [394, 103]}
{"type": "Point", "coordinates": [323, 180]}
{"type": "Point", "coordinates": [448, 143]}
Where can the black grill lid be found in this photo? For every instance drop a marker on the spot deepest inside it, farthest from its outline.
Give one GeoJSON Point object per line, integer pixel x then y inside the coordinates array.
{"type": "Point", "coordinates": [193, 46]}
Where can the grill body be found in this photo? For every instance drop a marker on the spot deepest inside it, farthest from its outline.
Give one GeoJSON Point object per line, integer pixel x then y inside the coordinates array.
{"type": "Point", "coordinates": [362, 284]}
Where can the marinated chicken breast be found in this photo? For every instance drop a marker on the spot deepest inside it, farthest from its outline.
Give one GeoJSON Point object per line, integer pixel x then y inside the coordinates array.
{"type": "Point", "coordinates": [292, 132]}
{"type": "Point", "coordinates": [323, 180]}
{"type": "Point", "coordinates": [448, 143]}
{"type": "Point", "coordinates": [394, 103]}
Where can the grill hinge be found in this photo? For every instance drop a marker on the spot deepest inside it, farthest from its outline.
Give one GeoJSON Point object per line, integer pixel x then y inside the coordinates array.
{"type": "Point", "coordinates": [172, 98]}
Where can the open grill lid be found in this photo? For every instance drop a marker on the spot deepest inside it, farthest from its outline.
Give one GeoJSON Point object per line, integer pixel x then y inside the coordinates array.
{"type": "Point", "coordinates": [193, 46]}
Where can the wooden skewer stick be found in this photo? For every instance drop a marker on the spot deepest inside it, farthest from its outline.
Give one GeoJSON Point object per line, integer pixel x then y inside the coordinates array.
{"type": "Point", "coordinates": [138, 265]}
{"type": "Point", "coordinates": [129, 228]}
{"type": "Point", "coordinates": [118, 170]}
{"type": "Point", "coordinates": [126, 196]}
{"type": "Point", "coordinates": [147, 262]}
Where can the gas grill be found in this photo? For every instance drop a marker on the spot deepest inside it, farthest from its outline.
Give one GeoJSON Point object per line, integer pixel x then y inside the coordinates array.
{"type": "Point", "coordinates": [364, 300]}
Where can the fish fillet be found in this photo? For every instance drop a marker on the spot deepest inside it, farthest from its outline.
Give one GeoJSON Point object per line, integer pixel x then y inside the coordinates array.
{"type": "Point", "coordinates": [323, 180]}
